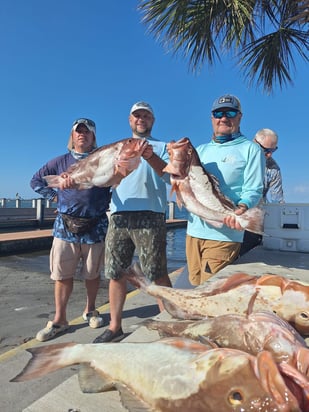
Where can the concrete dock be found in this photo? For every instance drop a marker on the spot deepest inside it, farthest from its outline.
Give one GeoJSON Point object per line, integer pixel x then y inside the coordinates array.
{"type": "Point", "coordinates": [60, 392]}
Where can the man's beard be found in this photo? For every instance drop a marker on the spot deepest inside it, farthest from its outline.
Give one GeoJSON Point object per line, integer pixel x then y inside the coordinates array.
{"type": "Point", "coordinates": [145, 133]}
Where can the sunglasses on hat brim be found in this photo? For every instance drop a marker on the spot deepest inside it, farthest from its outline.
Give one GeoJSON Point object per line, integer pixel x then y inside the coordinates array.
{"type": "Point", "coordinates": [87, 122]}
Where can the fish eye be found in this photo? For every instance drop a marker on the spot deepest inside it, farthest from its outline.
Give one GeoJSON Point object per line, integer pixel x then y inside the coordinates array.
{"type": "Point", "coordinates": [235, 398]}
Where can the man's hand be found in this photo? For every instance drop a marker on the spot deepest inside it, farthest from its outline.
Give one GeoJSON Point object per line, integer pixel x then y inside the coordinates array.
{"type": "Point", "coordinates": [231, 222]}
{"type": "Point", "coordinates": [148, 152]}
{"type": "Point", "coordinates": [67, 183]}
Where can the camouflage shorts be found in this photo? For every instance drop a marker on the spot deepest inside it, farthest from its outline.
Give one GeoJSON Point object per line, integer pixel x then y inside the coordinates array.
{"type": "Point", "coordinates": [143, 231]}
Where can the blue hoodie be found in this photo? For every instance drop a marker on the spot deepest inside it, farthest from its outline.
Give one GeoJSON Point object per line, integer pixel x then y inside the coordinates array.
{"type": "Point", "coordinates": [239, 166]}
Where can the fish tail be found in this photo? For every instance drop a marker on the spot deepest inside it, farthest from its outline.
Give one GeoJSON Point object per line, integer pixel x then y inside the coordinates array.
{"type": "Point", "coordinates": [54, 181]}
{"type": "Point", "coordinates": [136, 277]}
{"type": "Point", "coordinates": [45, 359]}
{"type": "Point", "coordinates": [252, 220]}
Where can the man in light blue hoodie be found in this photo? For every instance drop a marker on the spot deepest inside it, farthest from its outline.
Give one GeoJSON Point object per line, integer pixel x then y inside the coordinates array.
{"type": "Point", "coordinates": [239, 167]}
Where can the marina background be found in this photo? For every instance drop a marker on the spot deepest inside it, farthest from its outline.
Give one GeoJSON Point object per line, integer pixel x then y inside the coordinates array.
{"type": "Point", "coordinates": [175, 236]}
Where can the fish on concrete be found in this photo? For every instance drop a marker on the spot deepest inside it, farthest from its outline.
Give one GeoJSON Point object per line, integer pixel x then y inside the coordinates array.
{"type": "Point", "coordinates": [104, 167]}
{"type": "Point", "coordinates": [251, 333]}
{"type": "Point", "coordinates": [199, 192]}
{"type": "Point", "coordinates": [257, 332]}
{"type": "Point", "coordinates": [173, 374]}
{"type": "Point", "coordinates": [239, 293]}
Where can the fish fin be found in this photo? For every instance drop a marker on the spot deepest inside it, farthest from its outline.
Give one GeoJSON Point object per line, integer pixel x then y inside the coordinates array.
{"type": "Point", "coordinates": [153, 325]}
{"type": "Point", "coordinates": [282, 282]}
{"type": "Point", "coordinates": [54, 181]}
{"type": "Point", "coordinates": [252, 220]}
{"type": "Point", "coordinates": [45, 359]}
{"type": "Point", "coordinates": [273, 280]}
{"type": "Point", "coordinates": [93, 381]}
{"type": "Point", "coordinates": [268, 372]}
{"type": "Point", "coordinates": [131, 401]}
{"type": "Point", "coordinates": [232, 282]}
{"type": "Point", "coordinates": [251, 302]}
{"type": "Point", "coordinates": [208, 342]}
{"type": "Point", "coordinates": [185, 344]}
{"type": "Point", "coordinates": [136, 277]}
{"type": "Point", "coordinates": [297, 378]}
{"type": "Point", "coordinates": [303, 360]}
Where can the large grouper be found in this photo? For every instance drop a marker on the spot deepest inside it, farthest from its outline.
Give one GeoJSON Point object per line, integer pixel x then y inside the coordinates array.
{"type": "Point", "coordinates": [238, 293]}
{"type": "Point", "coordinates": [174, 374]}
{"type": "Point", "coordinates": [199, 191]}
{"type": "Point", "coordinates": [254, 333]}
{"type": "Point", "coordinates": [106, 166]}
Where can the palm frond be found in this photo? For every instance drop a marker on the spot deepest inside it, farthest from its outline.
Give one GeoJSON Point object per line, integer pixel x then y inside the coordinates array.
{"type": "Point", "coordinates": [262, 34]}
{"type": "Point", "coordinates": [269, 59]}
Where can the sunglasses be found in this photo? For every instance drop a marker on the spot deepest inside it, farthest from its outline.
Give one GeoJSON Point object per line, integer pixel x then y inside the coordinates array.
{"type": "Point", "coordinates": [230, 114]}
{"type": "Point", "coordinates": [266, 149]}
{"type": "Point", "coordinates": [87, 122]}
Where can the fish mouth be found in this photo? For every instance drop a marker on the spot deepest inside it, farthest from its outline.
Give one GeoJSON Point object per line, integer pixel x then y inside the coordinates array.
{"type": "Point", "coordinates": [272, 381]}
{"type": "Point", "coordinates": [180, 154]}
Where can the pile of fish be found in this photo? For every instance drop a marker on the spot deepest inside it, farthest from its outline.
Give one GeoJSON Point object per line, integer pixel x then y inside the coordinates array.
{"type": "Point", "coordinates": [173, 374]}
{"type": "Point", "coordinates": [104, 167]}
{"type": "Point", "coordinates": [199, 191]}
{"type": "Point", "coordinates": [250, 361]}
{"type": "Point", "coordinates": [242, 312]}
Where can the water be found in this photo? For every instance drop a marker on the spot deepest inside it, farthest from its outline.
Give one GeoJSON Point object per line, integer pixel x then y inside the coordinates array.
{"type": "Point", "coordinates": [176, 249]}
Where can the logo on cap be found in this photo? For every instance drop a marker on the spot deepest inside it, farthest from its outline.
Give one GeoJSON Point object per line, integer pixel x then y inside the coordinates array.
{"type": "Point", "coordinates": [225, 100]}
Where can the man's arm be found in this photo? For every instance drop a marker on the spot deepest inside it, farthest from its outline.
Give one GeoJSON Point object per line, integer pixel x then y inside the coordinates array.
{"type": "Point", "coordinates": [154, 160]}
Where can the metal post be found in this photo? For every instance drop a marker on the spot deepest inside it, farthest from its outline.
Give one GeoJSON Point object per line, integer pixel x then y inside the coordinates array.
{"type": "Point", "coordinates": [171, 210]}
{"type": "Point", "coordinates": [40, 211]}
{"type": "Point", "coordinates": [3, 202]}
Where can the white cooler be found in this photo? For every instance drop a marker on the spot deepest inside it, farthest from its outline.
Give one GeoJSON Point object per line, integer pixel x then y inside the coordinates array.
{"type": "Point", "coordinates": [286, 227]}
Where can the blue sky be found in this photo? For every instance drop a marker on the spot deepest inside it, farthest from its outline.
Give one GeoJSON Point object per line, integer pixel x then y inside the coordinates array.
{"type": "Point", "coordinates": [65, 59]}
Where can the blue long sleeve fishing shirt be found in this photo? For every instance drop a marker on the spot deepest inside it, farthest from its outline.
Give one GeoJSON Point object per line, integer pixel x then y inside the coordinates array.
{"type": "Point", "coordinates": [239, 166]}
{"type": "Point", "coordinates": [87, 203]}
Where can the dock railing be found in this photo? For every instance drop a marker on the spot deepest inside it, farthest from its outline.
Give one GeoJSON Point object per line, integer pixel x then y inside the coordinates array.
{"type": "Point", "coordinates": [39, 213]}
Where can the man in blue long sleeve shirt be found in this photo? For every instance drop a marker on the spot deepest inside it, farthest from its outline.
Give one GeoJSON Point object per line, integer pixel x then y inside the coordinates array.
{"type": "Point", "coordinates": [238, 165]}
{"type": "Point", "coordinates": [79, 231]}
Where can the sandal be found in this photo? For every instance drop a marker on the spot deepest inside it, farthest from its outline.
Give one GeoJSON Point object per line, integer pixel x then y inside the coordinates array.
{"type": "Point", "coordinates": [50, 331]}
{"type": "Point", "coordinates": [94, 319]}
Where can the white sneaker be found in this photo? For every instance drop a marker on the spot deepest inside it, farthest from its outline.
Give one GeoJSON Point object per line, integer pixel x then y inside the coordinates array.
{"type": "Point", "coordinates": [50, 331]}
{"type": "Point", "coordinates": [94, 319]}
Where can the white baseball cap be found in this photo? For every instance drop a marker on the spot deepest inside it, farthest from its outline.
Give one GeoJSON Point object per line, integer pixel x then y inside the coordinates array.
{"type": "Point", "coordinates": [141, 106]}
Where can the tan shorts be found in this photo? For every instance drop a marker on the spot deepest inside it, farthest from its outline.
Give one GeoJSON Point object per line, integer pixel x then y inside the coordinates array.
{"type": "Point", "coordinates": [206, 257]}
{"type": "Point", "coordinates": [67, 257]}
